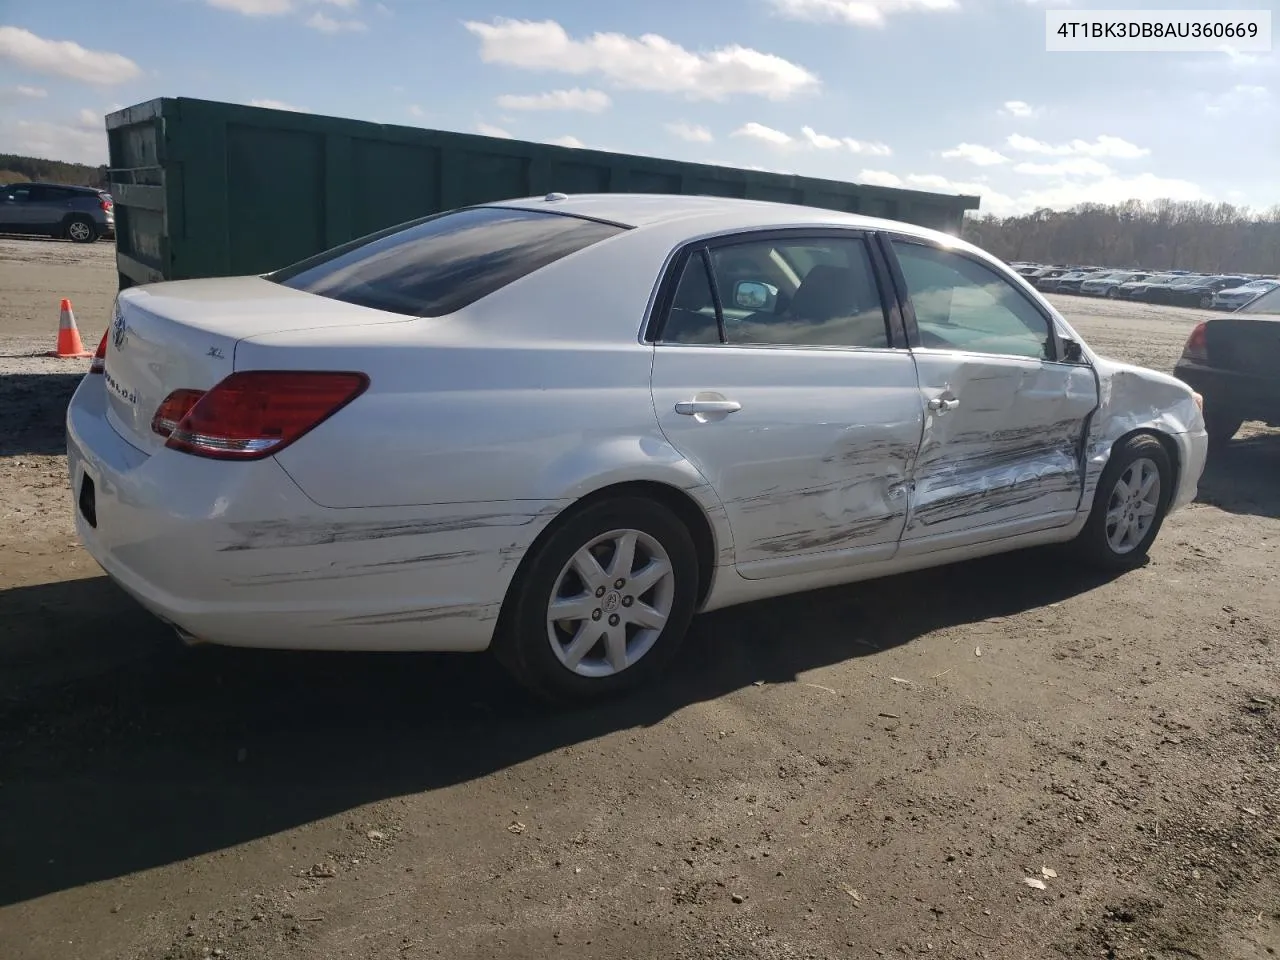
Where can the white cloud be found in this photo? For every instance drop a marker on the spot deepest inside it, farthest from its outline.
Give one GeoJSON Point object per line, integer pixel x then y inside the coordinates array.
{"type": "Point", "coordinates": [415, 111]}
{"type": "Point", "coordinates": [1020, 109]}
{"type": "Point", "coordinates": [939, 184]}
{"type": "Point", "coordinates": [758, 131]}
{"type": "Point", "coordinates": [489, 130]}
{"type": "Point", "coordinates": [819, 141]}
{"type": "Point", "coordinates": [860, 13]}
{"type": "Point", "coordinates": [691, 132]}
{"type": "Point", "coordinates": [1105, 190]}
{"type": "Point", "coordinates": [876, 149]}
{"type": "Point", "coordinates": [1070, 167]}
{"type": "Point", "coordinates": [92, 119]}
{"type": "Point", "coordinates": [976, 154]}
{"type": "Point", "coordinates": [64, 58]}
{"type": "Point", "coordinates": [254, 8]}
{"type": "Point", "coordinates": [568, 141]}
{"type": "Point", "coordinates": [1102, 146]}
{"type": "Point", "coordinates": [810, 139]}
{"type": "Point", "coordinates": [648, 62]}
{"type": "Point", "coordinates": [327, 24]}
{"type": "Point", "coordinates": [53, 141]}
{"type": "Point", "coordinates": [35, 93]}
{"type": "Point", "coordinates": [878, 178]}
{"type": "Point", "coordinates": [590, 101]}
{"type": "Point", "coordinates": [822, 141]}
{"type": "Point", "coordinates": [1240, 98]}
{"type": "Point", "coordinates": [276, 105]}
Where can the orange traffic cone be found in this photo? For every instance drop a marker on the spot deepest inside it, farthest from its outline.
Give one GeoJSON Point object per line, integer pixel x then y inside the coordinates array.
{"type": "Point", "coordinates": [70, 346]}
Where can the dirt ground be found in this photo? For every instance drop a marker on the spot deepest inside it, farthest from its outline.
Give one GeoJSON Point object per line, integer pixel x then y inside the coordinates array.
{"type": "Point", "coordinates": [1003, 760]}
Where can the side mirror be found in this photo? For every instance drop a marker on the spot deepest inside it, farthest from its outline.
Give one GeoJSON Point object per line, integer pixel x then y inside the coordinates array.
{"type": "Point", "coordinates": [754, 295]}
{"type": "Point", "coordinates": [1072, 351]}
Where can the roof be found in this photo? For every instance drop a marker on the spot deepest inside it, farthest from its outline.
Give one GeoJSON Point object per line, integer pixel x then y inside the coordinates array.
{"type": "Point", "coordinates": [699, 213]}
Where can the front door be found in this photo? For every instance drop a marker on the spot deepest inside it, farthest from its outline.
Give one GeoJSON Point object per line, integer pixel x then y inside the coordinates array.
{"type": "Point", "coordinates": [1005, 420]}
{"type": "Point", "coordinates": [774, 374]}
{"type": "Point", "coordinates": [17, 207]}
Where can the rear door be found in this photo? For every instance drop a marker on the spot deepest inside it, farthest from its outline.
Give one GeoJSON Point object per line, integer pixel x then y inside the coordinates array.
{"type": "Point", "coordinates": [1005, 420]}
{"type": "Point", "coordinates": [781, 375]}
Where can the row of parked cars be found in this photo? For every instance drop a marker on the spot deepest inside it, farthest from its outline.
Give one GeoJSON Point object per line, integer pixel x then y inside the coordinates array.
{"type": "Point", "coordinates": [1181, 288]}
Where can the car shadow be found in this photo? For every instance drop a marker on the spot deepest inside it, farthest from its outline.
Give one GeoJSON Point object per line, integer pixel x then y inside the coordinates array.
{"type": "Point", "coordinates": [121, 750]}
{"type": "Point", "coordinates": [34, 406]}
{"type": "Point", "coordinates": [1240, 477]}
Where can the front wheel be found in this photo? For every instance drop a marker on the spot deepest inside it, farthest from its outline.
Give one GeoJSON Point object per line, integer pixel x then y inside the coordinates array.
{"type": "Point", "coordinates": [1112, 293]}
{"type": "Point", "coordinates": [601, 606]}
{"type": "Point", "coordinates": [1129, 505]}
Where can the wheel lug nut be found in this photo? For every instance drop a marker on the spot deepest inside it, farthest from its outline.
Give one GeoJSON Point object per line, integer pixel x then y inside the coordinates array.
{"type": "Point", "coordinates": [619, 584]}
{"type": "Point", "coordinates": [599, 591]}
{"type": "Point", "coordinates": [595, 614]}
{"type": "Point", "coordinates": [613, 620]}
{"type": "Point", "coordinates": [628, 601]}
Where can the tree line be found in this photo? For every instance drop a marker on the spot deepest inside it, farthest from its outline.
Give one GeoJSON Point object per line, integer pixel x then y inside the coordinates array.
{"type": "Point", "coordinates": [1163, 235]}
{"type": "Point", "coordinates": [18, 169]}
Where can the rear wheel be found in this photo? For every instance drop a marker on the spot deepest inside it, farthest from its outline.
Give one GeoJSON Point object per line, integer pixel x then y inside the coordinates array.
{"type": "Point", "coordinates": [81, 230]}
{"type": "Point", "coordinates": [1220, 424]}
{"type": "Point", "coordinates": [602, 604]}
{"type": "Point", "coordinates": [1129, 506]}
{"type": "Point", "coordinates": [1206, 301]}
{"type": "Point", "coordinates": [1112, 293]}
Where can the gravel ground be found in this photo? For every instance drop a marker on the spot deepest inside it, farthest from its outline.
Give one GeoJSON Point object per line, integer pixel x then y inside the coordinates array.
{"type": "Point", "coordinates": [1000, 760]}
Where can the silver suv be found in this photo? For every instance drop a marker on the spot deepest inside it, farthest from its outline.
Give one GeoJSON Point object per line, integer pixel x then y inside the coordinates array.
{"type": "Point", "coordinates": [82, 214]}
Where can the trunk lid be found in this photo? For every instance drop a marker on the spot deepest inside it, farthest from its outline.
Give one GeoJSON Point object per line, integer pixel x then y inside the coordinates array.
{"type": "Point", "coordinates": [169, 336]}
{"type": "Point", "coordinates": [1245, 344]}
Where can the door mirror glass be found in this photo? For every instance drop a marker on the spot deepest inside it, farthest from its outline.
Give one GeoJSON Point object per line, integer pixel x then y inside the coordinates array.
{"type": "Point", "coordinates": [754, 295]}
{"type": "Point", "coordinates": [1072, 352]}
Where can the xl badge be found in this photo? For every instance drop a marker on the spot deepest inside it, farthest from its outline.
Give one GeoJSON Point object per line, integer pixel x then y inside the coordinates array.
{"type": "Point", "coordinates": [118, 330]}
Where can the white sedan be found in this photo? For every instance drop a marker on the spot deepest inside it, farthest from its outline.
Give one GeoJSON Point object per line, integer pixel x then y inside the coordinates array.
{"type": "Point", "coordinates": [559, 427]}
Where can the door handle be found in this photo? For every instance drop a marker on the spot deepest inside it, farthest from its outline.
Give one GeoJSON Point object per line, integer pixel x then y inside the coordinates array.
{"type": "Point", "coordinates": [691, 408]}
{"type": "Point", "coordinates": [942, 406]}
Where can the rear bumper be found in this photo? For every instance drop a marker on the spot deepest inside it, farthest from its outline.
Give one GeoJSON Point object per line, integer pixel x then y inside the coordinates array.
{"type": "Point", "coordinates": [235, 553]}
{"type": "Point", "coordinates": [1252, 397]}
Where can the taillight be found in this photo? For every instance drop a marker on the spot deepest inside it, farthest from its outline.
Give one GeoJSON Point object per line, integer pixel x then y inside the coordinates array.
{"type": "Point", "coordinates": [170, 413]}
{"type": "Point", "coordinates": [1197, 347]}
{"type": "Point", "coordinates": [257, 413]}
{"type": "Point", "coordinates": [106, 202]}
{"type": "Point", "coordinates": [99, 361]}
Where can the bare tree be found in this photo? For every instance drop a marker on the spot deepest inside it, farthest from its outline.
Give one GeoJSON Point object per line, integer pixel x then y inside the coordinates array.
{"type": "Point", "coordinates": [1161, 235]}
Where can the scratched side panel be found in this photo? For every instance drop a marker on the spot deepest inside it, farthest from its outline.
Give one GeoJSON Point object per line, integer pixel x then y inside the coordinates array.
{"type": "Point", "coordinates": [1009, 453]}
{"type": "Point", "coordinates": [814, 464]}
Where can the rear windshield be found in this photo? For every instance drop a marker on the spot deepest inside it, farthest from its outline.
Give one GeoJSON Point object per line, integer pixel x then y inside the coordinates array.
{"type": "Point", "coordinates": [433, 267]}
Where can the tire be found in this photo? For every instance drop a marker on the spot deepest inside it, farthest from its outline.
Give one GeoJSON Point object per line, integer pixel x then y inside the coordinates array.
{"type": "Point", "coordinates": [1220, 424]}
{"type": "Point", "coordinates": [1101, 541]}
{"type": "Point", "coordinates": [541, 654]}
{"type": "Point", "coordinates": [81, 230]}
{"type": "Point", "coordinates": [1206, 302]}
{"type": "Point", "coordinates": [1111, 293]}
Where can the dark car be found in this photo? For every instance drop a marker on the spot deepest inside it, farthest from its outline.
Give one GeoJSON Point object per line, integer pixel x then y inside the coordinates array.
{"type": "Point", "coordinates": [1231, 362]}
{"type": "Point", "coordinates": [1197, 291]}
{"type": "Point", "coordinates": [83, 214]}
{"type": "Point", "coordinates": [1144, 290]}
{"type": "Point", "coordinates": [1070, 282]}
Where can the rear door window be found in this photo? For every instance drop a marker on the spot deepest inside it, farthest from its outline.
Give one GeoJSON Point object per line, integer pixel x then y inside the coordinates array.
{"type": "Point", "coordinates": [437, 266]}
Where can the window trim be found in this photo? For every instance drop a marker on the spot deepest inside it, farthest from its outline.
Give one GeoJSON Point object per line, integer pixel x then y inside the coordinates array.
{"type": "Point", "coordinates": [895, 328]}
{"type": "Point", "coordinates": [886, 241]}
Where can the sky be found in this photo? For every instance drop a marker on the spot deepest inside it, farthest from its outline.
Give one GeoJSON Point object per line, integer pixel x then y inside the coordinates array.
{"type": "Point", "coordinates": [953, 96]}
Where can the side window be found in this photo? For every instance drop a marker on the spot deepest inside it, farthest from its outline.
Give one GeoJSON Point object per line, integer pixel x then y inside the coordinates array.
{"type": "Point", "coordinates": [961, 304]}
{"type": "Point", "coordinates": [802, 292]}
{"type": "Point", "coordinates": [20, 193]}
{"type": "Point", "coordinates": [693, 308]}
